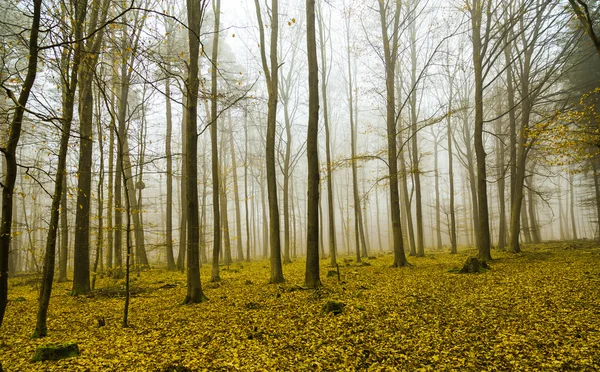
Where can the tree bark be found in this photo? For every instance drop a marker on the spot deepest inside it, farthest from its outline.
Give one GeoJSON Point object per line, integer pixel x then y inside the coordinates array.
{"type": "Point", "coordinates": [390, 54]}
{"type": "Point", "coordinates": [236, 196]}
{"type": "Point", "coordinates": [194, 287]}
{"type": "Point", "coordinates": [312, 277]}
{"type": "Point", "coordinates": [483, 229]}
{"type": "Point", "coordinates": [215, 276]}
{"type": "Point", "coordinates": [272, 85]}
{"type": "Point", "coordinates": [169, 221]}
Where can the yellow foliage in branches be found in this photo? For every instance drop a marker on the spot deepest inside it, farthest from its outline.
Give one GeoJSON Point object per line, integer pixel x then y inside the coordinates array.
{"type": "Point", "coordinates": [572, 135]}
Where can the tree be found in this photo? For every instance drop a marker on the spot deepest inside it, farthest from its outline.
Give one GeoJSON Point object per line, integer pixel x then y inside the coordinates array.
{"type": "Point", "coordinates": [10, 152]}
{"type": "Point", "coordinates": [195, 11]}
{"type": "Point", "coordinates": [271, 75]}
{"type": "Point", "coordinates": [311, 277]}
{"type": "Point", "coordinates": [329, 174]}
{"type": "Point", "coordinates": [358, 223]}
{"type": "Point", "coordinates": [390, 50]}
{"type": "Point", "coordinates": [236, 195]}
{"type": "Point", "coordinates": [168, 154]}
{"type": "Point", "coordinates": [215, 277]}
{"type": "Point", "coordinates": [475, 8]}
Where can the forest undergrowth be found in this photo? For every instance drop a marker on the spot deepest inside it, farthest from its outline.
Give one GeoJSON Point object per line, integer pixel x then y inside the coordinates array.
{"type": "Point", "coordinates": [539, 310]}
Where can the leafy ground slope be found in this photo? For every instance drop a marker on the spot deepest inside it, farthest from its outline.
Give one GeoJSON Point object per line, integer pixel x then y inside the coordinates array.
{"type": "Point", "coordinates": [539, 310]}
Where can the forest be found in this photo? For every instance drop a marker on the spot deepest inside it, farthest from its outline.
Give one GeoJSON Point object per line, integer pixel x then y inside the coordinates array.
{"type": "Point", "coordinates": [299, 185]}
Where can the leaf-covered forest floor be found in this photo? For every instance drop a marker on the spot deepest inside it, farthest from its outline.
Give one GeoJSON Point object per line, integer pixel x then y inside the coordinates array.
{"type": "Point", "coordinates": [539, 310]}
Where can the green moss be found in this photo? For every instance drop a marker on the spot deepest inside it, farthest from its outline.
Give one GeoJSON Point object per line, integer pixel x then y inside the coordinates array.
{"type": "Point", "coordinates": [55, 352]}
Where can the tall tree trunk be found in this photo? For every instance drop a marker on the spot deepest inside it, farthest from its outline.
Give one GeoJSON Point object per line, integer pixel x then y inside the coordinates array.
{"type": "Point", "coordinates": [81, 268]}
{"type": "Point", "coordinates": [359, 237]}
{"type": "Point", "coordinates": [169, 228]}
{"type": "Point", "coordinates": [561, 219]}
{"type": "Point", "coordinates": [405, 210]}
{"type": "Point", "coordinates": [438, 227]}
{"type": "Point", "coordinates": [594, 162]}
{"type": "Point", "coordinates": [215, 276]}
{"type": "Point", "coordinates": [415, 171]}
{"type": "Point", "coordinates": [452, 227]}
{"type": "Point", "coordinates": [100, 205]}
{"type": "Point", "coordinates": [572, 206]}
{"type": "Point", "coordinates": [273, 87]}
{"type": "Point", "coordinates": [285, 96]}
{"type": "Point", "coordinates": [195, 12]}
{"type": "Point", "coordinates": [534, 227]}
{"type": "Point", "coordinates": [265, 223]}
{"type": "Point", "coordinates": [64, 235]}
{"type": "Point", "coordinates": [246, 196]}
{"type": "Point", "coordinates": [236, 196]}
{"type": "Point", "coordinates": [501, 181]}
{"type": "Point", "coordinates": [329, 171]}
{"type": "Point", "coordinates": [312, 277]}
{"type": "Point", "coordinates": [226, 252]}
{"type": "Point", "coordinates": [183, 221]}
{"type": "Point", "coordinates": [483, 229]}
{"type": "Point", "coordinates": [390, 54]}
{"type": "Point", "coordinates": [110, 186]}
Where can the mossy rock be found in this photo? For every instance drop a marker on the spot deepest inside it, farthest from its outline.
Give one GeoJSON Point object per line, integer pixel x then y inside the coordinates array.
{"type": "Point", "coordinates": [55, 352]}
{"type": "Point", "coordinates": [331, 273]}
{"type": "Point", "coordinates": [334, 307]}
{"type": "Point", "coordinates": [20, 299]}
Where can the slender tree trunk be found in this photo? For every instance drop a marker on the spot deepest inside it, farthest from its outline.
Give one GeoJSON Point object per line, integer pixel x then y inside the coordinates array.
{"type": "Point", "coordinates": [406, 222]}
{"type": "Point", "coordinates": [329, 171]}
{"type": "Point", "coordinates": [100, 206]}
{"type": "Point", "coordinates": [265, 224]}
{"type": "Point", "coordinates": [169, 228]}
{"type": "Point", "coordinates": [183, 223]}
{"type": "Point", "coordinates": [312, 277]}
{"type": "Point", "coordinates": [534, 227]}
{"type": "Point", "coordinates": [286, 172]}
{"type": "Point", "coordinates": [572, 206]}
{"type": "Point", "coordinates": [483, 229]}
{"type": "Point", "coordinates": [501, 183]}
{"type": "Point", "coordinates": [560, 214]}
{"type": "Point", "coordinates": [597, 196]}
{"type": "Point", "coordinates": [453, 239]}
{"type": "Point", "coordinates": [236, 195]}
{"type": "Point", "coordinates": [223, 206]}
{"type": "Point", "coordinates": [273, 87]}
{"type": "Point", "coordinates": [215, 276]}
{"type": "Point", "coordinates": [438, 218]}
{"type": "Point", "coordinates": [416, 171]}
{"type": "Point", "coordinates": [110, 186]}
{"type": "Point", "coordinates": [377, 212]}
{"type": "Point", "coordinates": [246, 196]}
{"type": "Point", "coordinates": [390, 54]}
{"type": "Point", "coordinates": [64, 235]}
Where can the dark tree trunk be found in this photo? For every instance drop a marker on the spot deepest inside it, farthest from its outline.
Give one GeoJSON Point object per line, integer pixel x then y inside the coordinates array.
{"type": "Point", "coordinates": [194, 286]}
{"type": "Point", "coordinates": [312, 277]}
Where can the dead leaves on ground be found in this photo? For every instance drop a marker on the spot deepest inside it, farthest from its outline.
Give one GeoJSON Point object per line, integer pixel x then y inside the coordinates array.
{"type": "Point", "coordinates": [535, 311]}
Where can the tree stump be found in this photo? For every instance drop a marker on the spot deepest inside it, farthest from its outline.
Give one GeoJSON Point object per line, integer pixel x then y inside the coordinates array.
{"type": "Point", "coordinates": [473, 265]}
{"type": "Point", "coordinates": [55, 352]}
{"type": "Point", "coordinates": [333, 307]}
